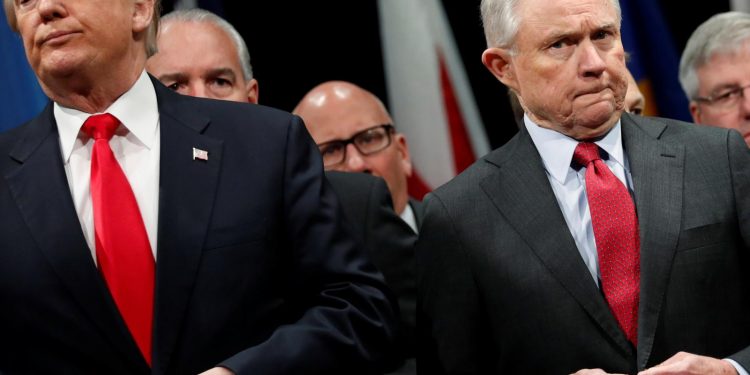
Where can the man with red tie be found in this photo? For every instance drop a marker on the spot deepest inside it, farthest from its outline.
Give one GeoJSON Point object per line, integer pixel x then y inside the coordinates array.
{"type": "Point", "coordinates": [146, 232]}
{"type": "Point", "coordinates": [594, 241]}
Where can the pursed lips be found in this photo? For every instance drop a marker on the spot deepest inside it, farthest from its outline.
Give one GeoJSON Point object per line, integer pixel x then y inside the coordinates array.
{"type": "Point", "coordinates": [55, 35]}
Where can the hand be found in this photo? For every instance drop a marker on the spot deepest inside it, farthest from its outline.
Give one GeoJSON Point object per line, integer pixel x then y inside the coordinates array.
{"type": "Point", "coordinates": [217, 371]}
{"type": "Point", "coordinates": [596, 371]}
{"type": "Point", "coordinates": [687, 364]}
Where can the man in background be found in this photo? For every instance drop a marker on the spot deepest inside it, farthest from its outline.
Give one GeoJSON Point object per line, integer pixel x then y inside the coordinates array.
{"type": "Point", "coordinates": [146, 232]}
{"type": "Point", "coordinates": [355, 133]}
{"type": "Point", "coordinates": [715, 72]}
{"type": "Point", "coordinates": [201, 54]}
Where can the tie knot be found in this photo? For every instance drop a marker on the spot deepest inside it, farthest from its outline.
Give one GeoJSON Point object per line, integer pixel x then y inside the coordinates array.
{"type": "Point", "coordinates": [585, 153]}
{"type": "Point", "coordinates": [101, 126]}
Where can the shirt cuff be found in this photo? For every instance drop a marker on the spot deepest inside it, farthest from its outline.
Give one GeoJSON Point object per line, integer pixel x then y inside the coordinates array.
{"type": "Point", "coordinates": [740, 370]}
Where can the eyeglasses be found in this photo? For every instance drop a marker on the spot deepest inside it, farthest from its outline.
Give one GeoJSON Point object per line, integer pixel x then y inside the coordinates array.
{"type": "Point", "coordinates": [367, 142]}
{"type": "Point", "coordinates": [726, 98]}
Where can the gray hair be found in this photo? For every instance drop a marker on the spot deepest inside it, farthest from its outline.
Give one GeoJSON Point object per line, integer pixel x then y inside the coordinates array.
{"type": "Point", "coordinates": [501, 21]}
{"type": "Point", "coordinates": [204, 16]}
{"type": "Point", "coordinates": [153, 27]}
{"type": "Point", "coordinates": [724, 33]}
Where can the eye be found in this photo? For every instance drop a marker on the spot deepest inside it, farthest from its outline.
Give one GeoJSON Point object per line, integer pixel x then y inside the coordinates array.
{"type": "Point", "coordinates": [222, 82]}
{"type": "Point", "coordinates": [372, 136]}
{"type": "Point", "coordinates": [559, 44]}
{"type": "Point", "coordinates": [173, 86]}
{"type": "Point", "coordinates": [330, 149]}
{"type": "Point", "coordinates": [727, 95]}
{"type": "Point", "coordinates": [599, 35]}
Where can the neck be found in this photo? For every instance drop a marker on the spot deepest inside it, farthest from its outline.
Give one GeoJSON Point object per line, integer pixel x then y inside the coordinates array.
{"type": "Point", "coordinates": [94, 91]}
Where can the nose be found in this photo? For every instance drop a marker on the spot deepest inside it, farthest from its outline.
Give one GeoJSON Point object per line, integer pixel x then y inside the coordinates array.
{"type": "Point", "coordinates": [591, 63]}
{"type": "Point", "coordinates": [198, 90]}
{"type": "Point", "coordinates": [51, 9]}
{"type": "Point", "coordinates": [355, 162]}
{"type": "Point", "coordinates": [745, 102]}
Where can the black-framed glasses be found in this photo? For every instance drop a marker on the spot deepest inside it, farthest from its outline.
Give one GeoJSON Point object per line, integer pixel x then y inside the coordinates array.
{"type": "Point", "coordinates": [725, 98]}
{"type": "Point", "coordinates": [367, 142]}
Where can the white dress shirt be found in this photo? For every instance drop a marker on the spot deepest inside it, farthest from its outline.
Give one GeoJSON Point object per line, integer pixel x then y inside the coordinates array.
{"type": "Point", "coordinates": [408, 217]}
{"type": "Point", "coordinates": [569, 185]}
{"type": "Point", "coordinates": [135, 145]}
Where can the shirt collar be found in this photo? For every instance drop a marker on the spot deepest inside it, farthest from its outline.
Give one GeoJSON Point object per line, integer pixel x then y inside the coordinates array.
{"type": "Point", "coordinates": [556, 149]}
{"type": "Point", "coordinates": [137, 109]}
{"type": "Point", "coordinates": [409, 218]}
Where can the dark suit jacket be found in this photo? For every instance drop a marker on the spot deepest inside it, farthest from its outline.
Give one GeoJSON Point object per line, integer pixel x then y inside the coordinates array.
{"type": "Point", "coordinates": [388, 240]}
{"type": "Point", "coordinates": [255, 270]}
{"type": "Point", "coordinates": [503, 288]}
{"type": "Point", "coordinates": [418, 208]}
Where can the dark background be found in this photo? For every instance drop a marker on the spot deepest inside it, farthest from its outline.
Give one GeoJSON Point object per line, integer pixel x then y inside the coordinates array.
{"type": "Point", "coordinates": [297, 45]}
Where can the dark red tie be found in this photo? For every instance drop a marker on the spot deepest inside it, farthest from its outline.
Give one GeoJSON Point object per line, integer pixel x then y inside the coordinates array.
{"type": "Point", "coordinates": [123, 252]}
{"type": "Point", "coordinates": [616, 235]}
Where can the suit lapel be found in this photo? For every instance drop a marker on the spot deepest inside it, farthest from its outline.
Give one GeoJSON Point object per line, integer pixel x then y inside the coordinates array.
{"type": "Point", "coordinates": [522, 193]}
{"type": "Point", "coordinates": [40, 188]}
{"type": "Point", "coordinates": [657, 170]}
{"type": "Point", "coordinates": [186, 195]}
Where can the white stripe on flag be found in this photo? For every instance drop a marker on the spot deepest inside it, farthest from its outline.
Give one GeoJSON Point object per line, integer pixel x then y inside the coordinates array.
{"type": "Point", "coordinates": [740, 5]}
{"type": "Point", "coordinates": [414, 34]}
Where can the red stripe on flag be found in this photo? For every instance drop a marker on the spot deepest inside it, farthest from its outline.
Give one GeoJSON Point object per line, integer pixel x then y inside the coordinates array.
{"type": "Point", "coordinates": [416, 186]}
{"type": "Point", "coordinates": [463, 155]}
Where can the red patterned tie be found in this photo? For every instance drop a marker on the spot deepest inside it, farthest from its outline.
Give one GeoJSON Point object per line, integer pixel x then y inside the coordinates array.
{"type": "Point", "coordinates": [123, 251]}
{"type": "Point", "coordinates": [616, 235]}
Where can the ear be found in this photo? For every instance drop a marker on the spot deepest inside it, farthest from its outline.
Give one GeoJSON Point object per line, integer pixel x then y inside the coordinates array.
{"type": "Point", "coordinates": [403, 150]}
{"type": "Point", "coordinates": [695, 112]}
{"type": "Point", "coordinates": [143, 13]}
{"type": "Point", "coordinates": [500, 63]}
{"type": "Point", "coordinates": [252, 91]}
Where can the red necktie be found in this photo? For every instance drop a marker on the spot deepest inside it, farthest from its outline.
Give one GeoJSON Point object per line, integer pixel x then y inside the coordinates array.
{"type": "Point", "coordinates": [123, 251]}
{"type": "Point", "coordinates": [616, 235]}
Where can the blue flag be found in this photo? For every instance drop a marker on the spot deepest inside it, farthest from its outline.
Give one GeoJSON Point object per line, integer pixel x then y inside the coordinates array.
{"type": "Point", "coordinates": [654, 60]}
{"type": "Point", "coordinates": [21, 98]}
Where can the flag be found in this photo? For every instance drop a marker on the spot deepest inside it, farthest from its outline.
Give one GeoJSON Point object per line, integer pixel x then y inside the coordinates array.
{"type": "Point", "coordinates": [431, 100]}
{"type": "Point", "coordinates": [740, 5]}
{"type": "Point", "coordinates": [21, 98]}
{"type": "Point", "coordinates": [654, 60]}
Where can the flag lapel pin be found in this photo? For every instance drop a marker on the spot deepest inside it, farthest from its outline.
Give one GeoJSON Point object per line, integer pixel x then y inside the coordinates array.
{"type": "Point", "coordinates": [199, 154]}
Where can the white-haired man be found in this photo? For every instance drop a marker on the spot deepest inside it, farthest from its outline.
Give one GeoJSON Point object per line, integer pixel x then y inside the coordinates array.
{"type": "Point", "coordinates": [594, 241]}
{"type": "Point", "coordinates": [715, 72]}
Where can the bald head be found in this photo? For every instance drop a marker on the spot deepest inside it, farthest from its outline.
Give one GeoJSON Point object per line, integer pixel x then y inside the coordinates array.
{"type": "Point", "coordinates": [337, 110]}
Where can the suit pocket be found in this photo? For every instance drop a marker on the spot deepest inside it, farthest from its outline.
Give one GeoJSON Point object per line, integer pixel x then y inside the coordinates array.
{"type": "Point", "coordinates": [704, 236]}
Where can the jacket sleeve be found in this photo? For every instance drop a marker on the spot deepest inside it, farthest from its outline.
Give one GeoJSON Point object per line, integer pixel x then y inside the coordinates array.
{"type": "Point", "coordinates": [347, 320]}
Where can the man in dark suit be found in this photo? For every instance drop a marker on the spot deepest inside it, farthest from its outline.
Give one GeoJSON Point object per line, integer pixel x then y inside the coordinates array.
{"type": "Point", "coordinates": [338, 114]}
{"type": "Point", "coordinates": [200, 54]}
{"type": "Point", "coordinates": [594, 241]}
{"type": "Point", "coordinates": [223, 209]}
{"type": "Point", "coordinates": [389, 243]}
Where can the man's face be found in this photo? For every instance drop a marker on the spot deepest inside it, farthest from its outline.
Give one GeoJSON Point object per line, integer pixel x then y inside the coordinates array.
{"type": "Point", "coordinates": [63, 38]}
{"type": "Point", "coordinates": [719, 75]}
{"type": "Point", "coordinates": [342, 120]}
{"type": "Point", "coordinates": [635, 103]}
{"type": "Point", "coordinates": [199, 59]}
{"type": "Point", "coordinates": [568, 68]}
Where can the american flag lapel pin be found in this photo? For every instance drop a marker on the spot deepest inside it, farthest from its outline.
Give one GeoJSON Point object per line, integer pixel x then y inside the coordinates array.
{"type": "Point", "coordinates": [199, 154]}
